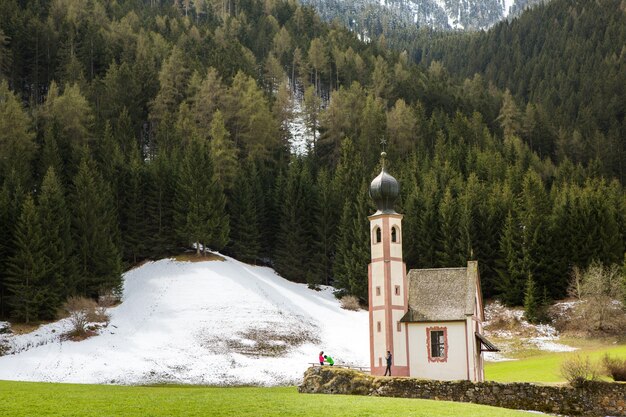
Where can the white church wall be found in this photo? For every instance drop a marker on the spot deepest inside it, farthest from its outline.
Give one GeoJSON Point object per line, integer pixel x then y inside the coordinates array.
{"type": "Point", "coordinates": [377, 248]}
{"type": "Point", "coordinates": [397, 280]}
{"type": "Point", "coordinates": [455, 365]}
{"type": "Point", "coordinates": [399, 339]}
{"type": "Point", "coordinates": [380, 339]}
{"type": "Point", "coordinates": [378, 284]}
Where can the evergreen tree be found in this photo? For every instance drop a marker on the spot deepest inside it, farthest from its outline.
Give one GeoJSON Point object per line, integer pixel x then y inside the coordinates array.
{"type": "Point", "coordinates": [200, 215]}
{"type": "Point", "coordinates": [531, 301]}
{"type": "Point", "coordinates": [223, 152]}
{"type": "Point", "coordinates": [11, 201]}
{"type": "Point", "coordinates": [293, 256]}
{"type": "Point", "coordinates": [133, 222]}
{"type": "Point", "coordinates": [94, 229]}
{"type": "Point", "coordinates": [353, 250]}
{"type": "Point", "coordinates": [28, 266]}
{"type": "Point", "coordinates": [61, 278]}
{"type": "Point", "coordinates": [511, 284]}
{"type": "Point", "coordinates": [245, 237]}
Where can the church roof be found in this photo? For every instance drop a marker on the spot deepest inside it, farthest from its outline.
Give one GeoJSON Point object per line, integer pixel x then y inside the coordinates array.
{"type": "Point", "coordinates": [442, 294]}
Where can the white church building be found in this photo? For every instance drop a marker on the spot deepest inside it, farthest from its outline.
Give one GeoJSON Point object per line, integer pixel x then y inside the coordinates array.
{"type": "Point", "coordinates": [431, 320]}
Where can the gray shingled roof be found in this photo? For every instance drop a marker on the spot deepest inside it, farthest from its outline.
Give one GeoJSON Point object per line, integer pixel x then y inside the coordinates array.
{"type": "Point", "coordinates": [443, 294]}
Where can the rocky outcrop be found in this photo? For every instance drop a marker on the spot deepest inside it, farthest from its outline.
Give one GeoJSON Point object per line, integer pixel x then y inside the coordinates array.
{"type": "Point", "coordinates": [587, 399]}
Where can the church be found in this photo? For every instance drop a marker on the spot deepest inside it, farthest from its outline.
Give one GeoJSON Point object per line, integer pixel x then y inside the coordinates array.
{"type": "Point", "coordinates": [431, 320]}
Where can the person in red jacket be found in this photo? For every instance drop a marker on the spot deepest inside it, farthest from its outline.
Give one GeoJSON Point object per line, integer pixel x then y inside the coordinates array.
{"type": "Point", "coordinates": [321, 358]}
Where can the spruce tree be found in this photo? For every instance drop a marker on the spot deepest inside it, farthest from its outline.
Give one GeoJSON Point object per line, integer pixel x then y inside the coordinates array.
{"type": "Point", "coordinates": [353, 251]}
{"type": "Point", "coordinates": [133, 224]}
{"type": "Point", "coordinates": [450, 252]}
{"type": "Point", "coordinates": [160, 189]}
{"type": "Point", "coordinates": [294, 238]}
{"type": "Point", "coordinates": [61, 276]}
{"type": "Point", "coordinates": [11, 201]}
{"type": "Point", "coordinates": [245, 237]}
{"type": "Point", "coordinates": [223, 153]}
{"type": "Point", "coordinates": [28, 266]}
{"type": "Point", "coordinates": [511, 284]}
{"type": "Point", "coordinates": [531, 301]}
{"type": "Point", "coordinates": [94, 229]}
{"type": "Point", "coordinates": [200, 215]}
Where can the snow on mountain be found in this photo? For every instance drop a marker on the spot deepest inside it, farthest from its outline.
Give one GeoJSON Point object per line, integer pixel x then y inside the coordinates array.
{"type": "Point", "coordinates": [364, 16]}
{"type": "Point", "coordinates": [214, 322]}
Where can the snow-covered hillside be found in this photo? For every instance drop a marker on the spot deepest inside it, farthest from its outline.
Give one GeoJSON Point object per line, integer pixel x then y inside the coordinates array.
{"type": "Point", "coordinates": [217, 322]}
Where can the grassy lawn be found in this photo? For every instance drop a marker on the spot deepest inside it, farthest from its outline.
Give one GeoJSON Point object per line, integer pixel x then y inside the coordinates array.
{"type": "Point", "coordinates": [546, 367]}
{"type": "Point", "coordinates": [43, 399]}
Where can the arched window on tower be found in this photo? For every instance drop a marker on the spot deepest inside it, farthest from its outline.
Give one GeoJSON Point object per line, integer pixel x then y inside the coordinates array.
{"type": "Point", "coordinates": [377, 235]}
{"type": "Point", "coordinates": [394, 234]}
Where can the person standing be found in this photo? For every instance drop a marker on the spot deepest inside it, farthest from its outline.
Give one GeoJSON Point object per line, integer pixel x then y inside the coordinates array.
{"type": "Point", "coordinates": [388, 357]}
{"type": "Point", "coordinates": [321, 358]}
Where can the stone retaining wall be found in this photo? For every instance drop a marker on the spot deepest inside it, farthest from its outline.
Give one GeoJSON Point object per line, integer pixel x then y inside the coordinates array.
{"type": "Point", "coordinates": [588, 399]}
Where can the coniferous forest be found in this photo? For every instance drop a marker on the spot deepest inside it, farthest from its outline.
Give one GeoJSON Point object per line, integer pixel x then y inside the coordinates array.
{"type": "Point", "coordinates": [133, 130]}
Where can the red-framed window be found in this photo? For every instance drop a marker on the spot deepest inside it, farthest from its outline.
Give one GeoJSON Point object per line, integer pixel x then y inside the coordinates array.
{"type": "Point", "coordinates": [437, 344]}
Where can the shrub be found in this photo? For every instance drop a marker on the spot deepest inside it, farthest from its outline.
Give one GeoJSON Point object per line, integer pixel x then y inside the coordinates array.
{"type": "Point", "coordinates": [615, 367]}
{"type": "Point", "coordinates": [578, 369]}
{"type": "Point", "coordinates": [598, 288]}
{"type": "Point", "coordinates": [350, 302]}
{"type": "Point", "coordinates": [80, 310]}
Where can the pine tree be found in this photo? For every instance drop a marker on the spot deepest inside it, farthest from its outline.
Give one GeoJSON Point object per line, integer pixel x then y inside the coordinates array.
{"type": "Point", "coordinates": [160, 188]}
{"type": "Point", "coordinates": [133, 222]}
{"type": "Point", "coordinates": [94, 229]}
{"type": "Point", "coordinates": [61, 277]}
{"type": "Point", "coordinates": [11, 201]}
{"type": "Point", "coordinates": [511, 284]}
{"type": "Point", "coordinates": [353, 252]}
{"type": "Point", "coordinates": [223, 153]}
{"type": "Point", "coordinates": [200, 216]}
{"type": "Point", "coordinates": [245, 237]}
{"type": "Point", "coordinates": [450, 253]}
{"type": "Point", "coordinates": [295, 236]}
{"type": "Point", "coordinates": [28, 266]}
{"type": "Point", "coordinates": [17, 147]}
{"type": "Point", "coordinates": [531, 302]}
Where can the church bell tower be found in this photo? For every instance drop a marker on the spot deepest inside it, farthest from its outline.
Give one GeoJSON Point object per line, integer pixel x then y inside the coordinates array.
{"type": "Point", "coordinates": [387, 283]}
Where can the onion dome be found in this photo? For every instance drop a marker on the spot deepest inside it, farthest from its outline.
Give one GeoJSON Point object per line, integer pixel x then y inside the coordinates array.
{"type": "Point", "coordinates": [384, 190]}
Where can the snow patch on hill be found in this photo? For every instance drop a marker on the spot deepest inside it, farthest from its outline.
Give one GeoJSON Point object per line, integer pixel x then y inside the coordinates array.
{"type": "Point", "coordinates": [223, 323]}
{"type": "Point", "coordinates": [509, 327]}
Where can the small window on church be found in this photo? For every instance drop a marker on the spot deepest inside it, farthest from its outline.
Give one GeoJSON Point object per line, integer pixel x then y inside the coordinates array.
{"type": "Point", "coordinates": [399, 325]}
{"type": "Point", "coordinates": [378, 235]}
{"type": "Point", "coordinates": [377, 290]}
{"type": "Point", "coordinates": [437, 344]}
{"type": "Point", "coordinates": [394, 234]}
{"type": "Point", "coordinates": [378, 326]}
{"type": "Point", "coordinates": [397, 290]}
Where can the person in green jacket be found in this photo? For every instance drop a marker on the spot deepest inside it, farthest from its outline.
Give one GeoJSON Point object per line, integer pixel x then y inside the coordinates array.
{"type": "Point", "coordinates": [330, 360]}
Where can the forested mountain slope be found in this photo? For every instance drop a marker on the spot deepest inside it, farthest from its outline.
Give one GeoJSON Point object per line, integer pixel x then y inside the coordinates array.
{"type": "Point", "coordinates": [131, 130]}
{"type": "Point", "coordinates": [567, 59]}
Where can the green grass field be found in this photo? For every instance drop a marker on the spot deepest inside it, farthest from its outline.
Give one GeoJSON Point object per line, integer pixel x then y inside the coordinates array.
{"type": "Point", "coordinates": [545, 368]}
{"type": "Point", "coordinates": [43, 399]}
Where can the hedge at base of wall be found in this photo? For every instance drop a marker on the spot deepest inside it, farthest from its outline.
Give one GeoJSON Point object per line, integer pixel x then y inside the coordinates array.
{"type": "Point", "coordinates": [587, 399]}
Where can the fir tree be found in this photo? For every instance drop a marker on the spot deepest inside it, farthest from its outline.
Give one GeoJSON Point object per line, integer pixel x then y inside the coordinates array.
{"type": "Point", "coordinates": [133, 224]}
{"type": "Point", "coordinates": [28, 266]}
{"type": "Point", "coordinates": [531, 301]}
{"type": "Point", "coordinates": [245, 235]}
{"type": "Point", "coordinates": [223, 152]}
{"type": "Point", "coordinates": [94, 229]}
{"type": "Point", "coordinates": [292, 253]}
{"type": "Point", "coordinates": [200, 215]}
{"type": "Point", "coordinates": [61, 276]}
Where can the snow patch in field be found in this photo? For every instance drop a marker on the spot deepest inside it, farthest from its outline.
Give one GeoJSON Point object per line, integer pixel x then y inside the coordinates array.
{"type": "Point", "coordinates": [215, 323]}
{"type": "Point", "coordinates": [509, 324]}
